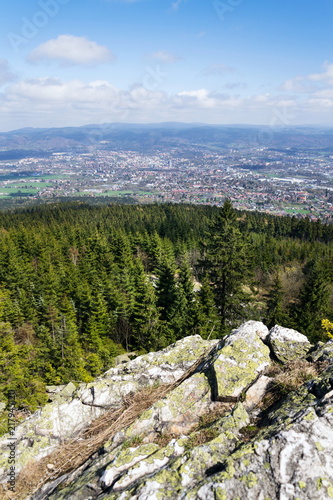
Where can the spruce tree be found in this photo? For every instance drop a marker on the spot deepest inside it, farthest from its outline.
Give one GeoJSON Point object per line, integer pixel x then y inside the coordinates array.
{"type": "Point", "coordinates": [275, 313]}
{"type": "Point", "coordinates": [313, 305]}
{"type": "Point", "coordinates": [228, 266]}
{"type": "Point", "coordinates": [145, 316]}
{"type": "Point", "coordinates": [171, 302]}
{"type": "Point", "coordinates": [208, 319]}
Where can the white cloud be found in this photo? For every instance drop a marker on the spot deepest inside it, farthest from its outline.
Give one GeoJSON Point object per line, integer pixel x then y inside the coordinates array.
{"type": "Point", "coordinates": [62, 100]}
{"type": "Point", "coordinates": [71, 50]}
{"type": "Point", "coordinates": [52, 91]}
{"type": "Point", "coordinates": [53, 102]}
{"type": "Point", "coordinates": [298, 84]}
{"type": "Point", "coordinates": [306, 83]}
{"type": "Point", "coordinates": [201, 98]}
{"type": "Point", "coordinates": [326, 76]}
{"type": "Point", "coordinates": [164, 57]}
{"type": "Point", "coordinates": [317, 90]}
{"type": "Point", "coordinates": [6, 73]}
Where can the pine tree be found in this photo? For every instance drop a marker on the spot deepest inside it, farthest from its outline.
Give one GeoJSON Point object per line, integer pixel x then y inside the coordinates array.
{"type": "Point", "coordinates": [190, 302]}
{"type": "Point", "coordinates": [145, 317]}
{"type": "Point", "coordinates": [227, 262]}
{"type": "Point", "coordinates": [166, 289]}
{"type": "Point", "coordinates": [72, 362]}
{"type": "Point", "coordinates": [17, 371]}
{"type": "Point", "coordinates": [275, 314]}
{"type": "Point", "coordinates": [208, 319]}
{"type": "Point", "coordinates": [314, 299]}
{"type": "Point", "coordinates": [186, 279]}
{"type": "Point", "coordinates": [171, 302]}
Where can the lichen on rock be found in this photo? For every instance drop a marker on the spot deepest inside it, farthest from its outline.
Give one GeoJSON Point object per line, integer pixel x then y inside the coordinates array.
{"type": "Point", "coordinates": [243, 357]}
{"type": "Point", "coordinates": [287, 344]}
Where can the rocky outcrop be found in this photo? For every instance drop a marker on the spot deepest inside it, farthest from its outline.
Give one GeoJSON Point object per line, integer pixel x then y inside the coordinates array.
{"type": "Point", "coordinates": [222, 429]}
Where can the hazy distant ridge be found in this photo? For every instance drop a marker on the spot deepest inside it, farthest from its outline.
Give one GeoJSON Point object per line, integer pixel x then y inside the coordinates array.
{"type": "Point", "coordinates": [162, 135]}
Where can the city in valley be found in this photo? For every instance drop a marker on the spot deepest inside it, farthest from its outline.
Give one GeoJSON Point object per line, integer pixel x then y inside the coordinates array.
{"type": "Point", "coordinates": [273, 178]}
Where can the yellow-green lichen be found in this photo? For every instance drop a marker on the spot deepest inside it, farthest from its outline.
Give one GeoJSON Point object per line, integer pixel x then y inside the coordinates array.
{"type": "Point", "coordinates": [220, 493]}
{"type": "Point", "coordinates": [168, 477]}
{"type": "Point", "coordinates": [237, 365]}
{"type": "Point", "coordinates": [228, 473]}
{"type": "Point", "coordinates": [289, 351]}
{"type": "Point", "coordinates": [183, 397]}
{"type": "Point", "coordinates": [127, 455]}
{"type": "Point", "coordinates": [311, 415]}
{"type": "Point", "coordinates": [29, 453]}
{"type": "Point", "coordinates": [250, 479]}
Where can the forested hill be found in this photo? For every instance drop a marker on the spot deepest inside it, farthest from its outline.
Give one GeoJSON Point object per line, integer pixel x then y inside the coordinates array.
{"type": "Point", "coordinates": [81, 284]}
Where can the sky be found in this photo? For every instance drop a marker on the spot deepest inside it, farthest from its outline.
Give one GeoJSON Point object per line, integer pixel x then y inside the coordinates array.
{"type": "Point", "coordinates": [78, 62]}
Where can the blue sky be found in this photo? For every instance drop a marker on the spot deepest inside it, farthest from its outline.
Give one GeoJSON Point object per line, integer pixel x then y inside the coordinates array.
{"type": "Point", "coordinates": [74, 62]}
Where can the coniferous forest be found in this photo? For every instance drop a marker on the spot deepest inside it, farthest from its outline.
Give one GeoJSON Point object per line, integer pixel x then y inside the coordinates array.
{"type": "Point", "coordinates": [81, 284]}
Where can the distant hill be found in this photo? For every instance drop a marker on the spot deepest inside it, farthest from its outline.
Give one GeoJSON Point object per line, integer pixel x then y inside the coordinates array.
{"type": "Point", "coordinates": [143, 137]}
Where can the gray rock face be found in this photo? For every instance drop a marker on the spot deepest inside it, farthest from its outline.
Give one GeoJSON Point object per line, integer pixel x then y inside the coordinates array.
{"type": "Point", "coordinates": [257, 391]}
{"type": "Point", "coordinates": [248, 330]}
{"type": "Point", "coordinates": [295, 462]}
{"type": "Point", "coordinates": [178, 411]}
{"type": "Point", "coordinates": [287, 344]}
{"type": "Point", "coordinates": [191, 444]}
{"type": "Point", "coordinates": [241, 360]}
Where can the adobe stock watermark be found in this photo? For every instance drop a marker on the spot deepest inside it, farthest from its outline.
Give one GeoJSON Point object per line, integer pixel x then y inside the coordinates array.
{"type": "Point", "coordinates": [281, 118]}
{"type": "Point", "coordinates": [154, 77]}
{"type": "Point", "coordinates": [11, 474]}
{"type": "Point", "coordinates": [225, 7]}
{"type": "Point", "coordinates": [30, 27]}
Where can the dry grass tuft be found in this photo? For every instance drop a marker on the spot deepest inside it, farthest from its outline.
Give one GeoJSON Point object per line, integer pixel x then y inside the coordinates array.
{"type": "Point", "coordinates": [220, 410]}
{"type": "Point", "coordinates": [204, 431]}
{"type": "Point", "coordinates": [201, 437]}
{"type": "Point", "coordinates": [249, 432]}
{"type": "Point", "coordinates": [288, 378]}
{"type": "Point", "coordinates": [74, 453]}
{"type": "Point", "coordinates": [294, 375]}
{"type": "Point", "coordinates": [164, 439]}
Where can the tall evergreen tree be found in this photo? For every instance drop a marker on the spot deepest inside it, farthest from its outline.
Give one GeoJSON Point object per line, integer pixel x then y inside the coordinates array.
{"type": "Point", "coordinates": [171, 301]}
{"type": "Point", "coordinates": [275, 313]}
{"type": "Point", "coordinates": [72, 360]}
{"type": "Point", "coordinates": [228, 266]}
{"type": "Point", "coordinates": [208, 319]}
{"type": "Point", "coordinates": [145, 317]}
{"type": "Point", "coordinates": [313, 305]}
